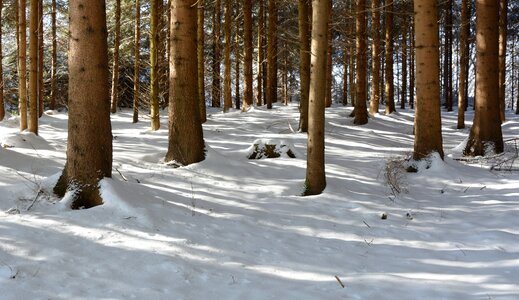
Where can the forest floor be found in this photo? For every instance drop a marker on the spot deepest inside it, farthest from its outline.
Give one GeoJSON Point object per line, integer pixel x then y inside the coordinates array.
{"type": "Point", "coordinates": [234, 228]}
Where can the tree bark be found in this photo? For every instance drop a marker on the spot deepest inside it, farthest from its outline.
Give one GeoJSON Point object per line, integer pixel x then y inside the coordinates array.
{"type": "Point", "coordinates": [186, 142]}
{"type": "Point", "coordinates": [22, 64]}
{"type": "Point", "coordinates": [390, 87]}
{"type": "Point", "coordinates": [375, 57]}
{"type": "Point", "coordinates": [412, 65]}
{"type": "Point", "coordinates": [137, 61]}
{"type": "Point", "coordinates": [54, 62]}
{"type": "Point", "coordinates": [33, 67]}
{"type": "Point", "coordinates": [485, 135]}
{"type": "Point", "coordinates": [89, 105]}
{"type": "Point", "coordinates": [41, 87]}
{"type": "Point", "coordinates": [304, 8]}
{"type": "Point", "coordinates": [503, 22]}
{"type": "Point", "coordinates": [464, 64]}
{"type": "Point", "coordinates": [201, 60]}
{"type": "Point", "coordinates": [216, 92]}
{"type": "Point", "coordinates": [361, 114]}
{"type": "Point", "coordinates": [315, 169]}
{"type": "Point", "coordinates": [2, 109]}
{"type": "Point", "coordinates": [247, 55]}
{"type": "Point", "coordinates": [154, 78]}
{"type": "Point", "coordinates": [329, 61]}
{"type": "Point", "coordinates": [404, 62]}
{"type": "Point", "coordinates": [261, 53]}
{"type": "Point", "coordinates": [447, 59]}
{"type": "Point", "coordinates": [227, 95]}
{"type": "Point", "coordinates": [428, 136]}
{"type": "Point", "coordinates": [272, 54]}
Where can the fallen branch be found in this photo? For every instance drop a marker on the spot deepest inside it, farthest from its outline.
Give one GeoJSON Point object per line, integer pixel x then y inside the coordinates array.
{"type": "Point", "coordinates": [339, 281]}
{"type": "Point", "coordinates": [40, 191]}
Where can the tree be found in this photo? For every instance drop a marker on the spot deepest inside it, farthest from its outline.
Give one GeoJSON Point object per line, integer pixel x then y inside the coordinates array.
{"type": "Point", "coordinates": [33, 66]}
{"type": "Point", "coordinates": [247, 54]}
{"type": "Point", "coordinates": [405, 24]}
{"type": "Point", "coordinates": [261, 54]}
{"type": "Point", "coordinates": [447, 56]}
{"type": "Point", "coordinates": [464, 64]}
{"type": "Point", "coordinates": [227, 97]}
{"type": "Point", "coordinates": [115, 68]}
{"type": "Point", "coordinates": [428, 137]}
{"type": "Point", "coordinates": [216, 93]}
{"type": "Point", "coordinates": [304, 62]}
{"type": "Point", "coordinates": [375, 57]}
{"type": "Point", "coordinates": [22, 64]}
{"type": "Point", "coordinates": [89, 106]}
{"type": "Point", "coordinates": [186, 142]}
{"type": "Point", "coordinates": [315, 171]}
{"type": "Point", "coordinates": [54, 62]}
{"type": "Point", "coordinates": [503, 22]}
{"type": "Point", "coordinates": [154, 66]}
{"type": "Point", "coordinates": [41, 86]}
{"type": "Point", "coordinates": [2, 109]}
{"type": "Point", "coordinates": [361, 96]}
{"type": "Point", "coordinates": [137, 61]}
{"type": "Point", "coordinates": [390, 88]}
{"type": "Point", "coordinates": [485, 135]}
{"type": "Point", "coordinates": [272, 79]}
{"type": "Point", "coordinates": [201, 60]}
{"type": "Point", "coordinates": [329, 60]}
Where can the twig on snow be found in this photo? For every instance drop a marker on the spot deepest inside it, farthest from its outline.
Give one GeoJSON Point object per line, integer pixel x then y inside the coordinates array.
{"type": "Point", "coordinates": [339, 281]}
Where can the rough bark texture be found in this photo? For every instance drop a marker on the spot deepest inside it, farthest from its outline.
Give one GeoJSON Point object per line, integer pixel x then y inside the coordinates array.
{"type": "Point", "coordinates": [315, 170]}
{"type": "Point", "coordinates": [2, 109]}
{"type": "Point", "coordinates": [227, 95]}
{"type": "Point", "coordinates": [304, 62]}
{"type": "Point", "coordinates": [89, 105]}
{"type": "Point", "coordinates": [115, 67]}
{"type": "Point", "coordinates": [361, 114]}
{"type": "Point", "coordinates": [186, 142]}
{"type": "Point", "coordinates": [428, 137]}
{"type": "Point", "coordinates": [247, 54]}
{"type": "Point", "coordinates": [137, 61]}
{"type": "Point", "coordinates": [54, 58]}
{"type": "Point", "coordinates": [390, 88]}
{"type": "Point", "coordinates": [154, 67]}
{"type": "Point", "coordinates": [201, 61]}
{"type": "Point", "coordinates": [403, 91]}
{"type": "Point", "coordinates": [216, 93]}
{"type": "Point", "coordinates": [41, 87]}
{"type": "Point", "coordinates": [503, 9]}
{"type": "Point", "coordinates": [485, 135]}
{"type": "Point", "coordinates": [375, 57]}
{"type": "Point", "coordinates": [261, 53]}
{"type": "Point", "coordinates": [33, 67]}
{"type": "Point", "coordinates": [272, 80]}
{"type": "Point", "coordinates": [22, 64]}
{"type": "Point", "coordinates": [464, 64]}
{"type": "Point", "coordinates": [447, 56]}
{"type": "Point", "coordinates": [329, 61]}
{"type": "Point", "coordinates": [412, 66]}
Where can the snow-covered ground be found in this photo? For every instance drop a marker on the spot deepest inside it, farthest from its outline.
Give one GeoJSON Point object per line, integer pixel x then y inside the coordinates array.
{"type": "Point", "coordinates": [234, 228]}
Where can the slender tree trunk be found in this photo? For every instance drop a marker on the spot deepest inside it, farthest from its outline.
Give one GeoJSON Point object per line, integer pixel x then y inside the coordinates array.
{"type": "Point", "coordinates": [284, 78]}
{"type": "Point", "coordinates": [247, 54]}
{"type": "Point", "coordinates": [154, 78]}
{"type": "Point", "coordinates": [329, 61]}
{"type": "Point", "coordinates": [375, 57]}
{"type": "Point", "coordinates": [411, 65]}
{"type": "Point", "coordinates": [272, 54]}
{"type": "Point", "coordinates": [22, 64]}
{"type": "Point", "coordinates": [503, 22]}
{"type": "Point", "coordinates": [404, 62]}
{"type": "Point", "coordinates": [361, 114]}
{"type": "Point", "coordinates": [315, 170]}
{"type": "Point", "coordinates": [428, 135]}
{"type": "Point", "coordinates": [186, 142]}
{"type": "Point", "coordinates": [237, 48]}
{"type": "Point", "coordinates": [41, 87]}
{"type": "Point", "coordinates": [447, 56]}
{"type": "Point", "coordinates": [54, 62]}
{"type": "Point", "coordinates": [304, 8]}
{"type": "Point", "coordinates": [201, 60]}
{"type": "Point", "coordinates": [216, 92]}
{"type": "Point", "coordinates": [227, 97]}
{"type": "Point", "coordinates": [2, 109]}
{"type": "Point", "coordinates": [390, 87]}
{"type": "Point", "coordinates": [351, 55]}
{"type": "Point", "coordinates": [345, 60]}
{"type": "Point", "coordinates": [89, 144]}
{"type": "Point", "coordinates": [485, 135]}
{"type": "Point", "coordinates": [261, 54]}
{"type": "Point", "coordinates": [163, 52]}
{"type": "Point", "coordinates": [115, 68]}
{"type": "Point", "coordinates": [137, 61]}
{"type": "Point", "coordinates": [464, 64]}
{"type": "Point", "coordinates": [33, 67]}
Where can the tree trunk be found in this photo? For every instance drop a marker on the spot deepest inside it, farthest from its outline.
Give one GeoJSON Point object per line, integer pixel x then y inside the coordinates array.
{"type": "Point", "coordinates": [485, 135]}
{"type": "Point", "coordinates": [41, 87]}
{"type": "Point", "coordinates": [115, 68]}
{"type": "Point", "coordinates": [2, 109]}
{"type": "Point", "coordinates": [361, 114]}
{"type": "Point", "coordinates": [315, 169]}
{"type": "Point", "coordinates": [304, 8]}
{"type": "Point", "coordinates": [390, 87]}
{"type": "Point", "coordinates": [284, 78]}
{"type": "Point", "coordinates": [247, 54]}
{"type": "Point", "coordinates": [261, 53]}
{"type": "Point", "coordinates": [503, 22]}
{"type": "Point", "coordinates": [54, 62]}
{"type": "Point", "coordinates": [216, 92]}
{"type": "Point", "coordinates": [345, 60]}
{"type": "Point", "coordinates": [186, 142]}
{"type": "Point", "coordinates": [137, 62]}
{"type": "Point", "coordinates": [329, 61]}
{"type": "Point", "coordinates": [411, 65]}
{"type": "Point", "coordinates": [272, 79]}
{"type": "Point", "coordinates": [404, 62]}
{"type": "Point", "coordinates": [33, 67]}
{"type": "Point", "coordinates": [89, 105]}
{"type": "Point", "coordinates": [447, 59]}
{"type": "Point", "coordinates": [154, 80]}
{"type": "Point", "coordinates": [227, 96]}
{"type": "Point", "coordinates": [22, 64]}
{"type": "Point", "coordinates": [237, 48]}
{"type": "Point", "coordinates": [375, 57]}
{"type": "Point", "coordinates": [464, 64]}
{"type": "Point", "coordinates": [201, 60]}
{"type": "Point", "coordinates": [428, 135]}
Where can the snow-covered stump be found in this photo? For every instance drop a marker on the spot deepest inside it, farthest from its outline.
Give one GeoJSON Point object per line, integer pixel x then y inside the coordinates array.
{"type": "Point", "coordinates": [269, 148]}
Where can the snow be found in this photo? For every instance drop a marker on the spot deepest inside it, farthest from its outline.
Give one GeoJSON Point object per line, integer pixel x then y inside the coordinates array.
{"type": "Point", "coordinates": [234, 228]}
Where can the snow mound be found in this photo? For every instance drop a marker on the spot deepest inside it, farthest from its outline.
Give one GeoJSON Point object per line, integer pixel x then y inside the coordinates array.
{"type": "Point", "coordinates": [271, 148]}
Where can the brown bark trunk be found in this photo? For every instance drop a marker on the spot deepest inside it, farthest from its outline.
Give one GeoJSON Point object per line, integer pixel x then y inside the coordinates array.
{"type": "Point", "coordinates": [403, 99]}
{"type": "Point", "coordinates": [261, 53]}
{"type": "Point", "coordinates": [375, 57]}
{"type": "Point", "coordinates": [503, 9]}
{"type": "Point", "coordinates": [390, 87]}
{"type": "Point", "coordinates": [247, 55]}
{"type": "Point", "coordinates": [464, 64]}
{"type": "Point", "coordinates": [329, 61]}
{"type": "Point", "coordinates": [41, 87]}
{"type": "Point", "coordinates": [2, 109]}
{"type": "Point", "coordinates": [201, 60]}
{"type": "Point", "coordinates": [304, 8]}
{"type": "Point", "coordinates": [54, 62]}
{"type": "Point", "coordinates": [137, 61]}
{"type": "Point", "coordinates": [22, 64]}
{"type": "Point", "coordinates": [272, 54]}
{"type": "Point", "coordinates": [361, 114]}
{"type": "Point", "coordinates": [33, 67]}
{"type": "Point", "coordinates": [227, 95]}
{"type": "Point", "coordinates": [89, 105]}
{"type": "Point", "coordinates": [447, 59]}
{"type": "Point", "coordinates": [154, 78]}
{"type": "Point", "coordinates": [216, 92]}
{"type": "Point", "coordinates": [186, 142]}
{"type": "Point", "coordinates": [115, 68]}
